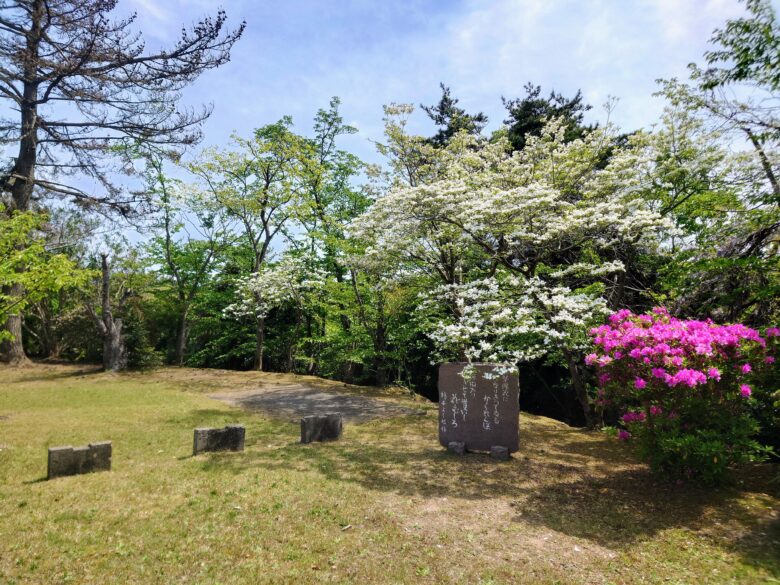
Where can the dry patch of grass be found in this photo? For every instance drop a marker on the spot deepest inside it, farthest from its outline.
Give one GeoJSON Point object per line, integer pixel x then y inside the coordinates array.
{"type": "Point", "coordinates": [384, 505]}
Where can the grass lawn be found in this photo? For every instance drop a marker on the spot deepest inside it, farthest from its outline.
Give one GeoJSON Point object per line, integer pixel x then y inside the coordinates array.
{"type": "Point", "coordinates": [385, 505]}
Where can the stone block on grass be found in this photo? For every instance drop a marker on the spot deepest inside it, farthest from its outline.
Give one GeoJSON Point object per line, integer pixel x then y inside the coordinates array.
{"type": "Point", "coordinates": [321, 427]}
{"type": "Point", "coordinates": [229, 438]}
{"type": "Point", "coordinates": [69, 460]}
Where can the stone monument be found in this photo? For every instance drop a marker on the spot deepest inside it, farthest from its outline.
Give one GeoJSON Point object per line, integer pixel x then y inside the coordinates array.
{"type": "Point", "coordinates": [479, 410]}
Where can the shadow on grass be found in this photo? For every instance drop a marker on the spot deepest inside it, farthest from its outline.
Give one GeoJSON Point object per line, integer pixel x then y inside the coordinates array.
{"type": "Point", "coordinates": [44, 374]}
{"type": "Point", "coordinates": [761, 547]}
{"type": "Point", "coordinates": [293, 403]}
{"type": "Point", "coordinates": [34, 481]}
{"type": "Point", "coordinates": [578, 483]}
{"type": "Point", "coordinates": [207, 417]}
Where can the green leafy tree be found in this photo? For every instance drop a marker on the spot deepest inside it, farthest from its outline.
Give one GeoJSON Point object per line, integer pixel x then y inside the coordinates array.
{"type": "Point", "coordinates": [450, 119]}
{"type": "Point", "coordinates": [190, 233]}
{"type": "Point", "coordinates": [747, 49]}
{"type": "Point", "coordinates": [258, 183]}
{"type": "Point", "coordinates": [528, 115]}
{"type": "Point", "coordinates": [25, 262]}
{"type": "Point", "coordinates": [49, 321]}
{"type": "Point", "coordinates": [733, 272]}
{"type": "Point", "coordinates": [329, 201]}
{"type": "Point", "coordinates": [83, 83]}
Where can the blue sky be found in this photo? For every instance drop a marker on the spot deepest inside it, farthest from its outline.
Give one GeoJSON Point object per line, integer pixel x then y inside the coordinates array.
{"type": "Point", "coordinates": [296, 54]}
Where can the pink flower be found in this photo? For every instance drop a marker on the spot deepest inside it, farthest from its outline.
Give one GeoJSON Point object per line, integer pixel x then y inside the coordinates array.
{"type": "Point", "coordinates": [621, 315]}
{"type": "Point", "coordinates": [746, 368]}
{"type": "Point", "coordinates": [658, 373]}
{"type": "Point", "coordinates": [591, 358]}
{"type": "Point", "coordinates": [769, 360]}
{"type": "Point", "coordinates": [624, 435]}
{"type": "Point", "coordinates": [640, 383]}
{"type": "Point", "coordinates": [630, 417]}
{"type": "Point", "coordinates": [688, 377]}
{"type": "Point", "coordinates": [714, 373]}
{"type": "Point", "coordinates": [745, 390]}
{"type": "Point", "coordinates": [773, 332]}
{"type": "Point", "coordinates": [655, 410]}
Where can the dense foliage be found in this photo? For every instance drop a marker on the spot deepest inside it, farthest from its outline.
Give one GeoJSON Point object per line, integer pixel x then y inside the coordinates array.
{"type": "Point", "coordinates": [683, 388]}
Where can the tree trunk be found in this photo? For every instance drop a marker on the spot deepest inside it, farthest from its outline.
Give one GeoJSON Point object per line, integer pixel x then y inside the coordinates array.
{"type": "Point", "coordinates": [181, 337]}
{"type": "Point", "coordinates": [114, 349]}
{"type": "Point", "coordinates": [12, 349]}
{"type": "Point", "coordinates": [381, 374]}
{"type": "Point", "coordinates": [23, 172]}
{"type": "Point", "coordinates": [380, 347]}
{"type": "Point", "coordinates": [348, 371]}
{"type": "Point", "coordinates": [260, 344]}
{"type": "Point", "coordinates": [311, 368]}
{"type": "Point", "coordinates": [109, 328]}
{"type": "Point", "coordinates": [292, 350]}
{"type": "Point", "coordinates": [578, 385]}
{"type": "Point", "coordinates": [48, 336]}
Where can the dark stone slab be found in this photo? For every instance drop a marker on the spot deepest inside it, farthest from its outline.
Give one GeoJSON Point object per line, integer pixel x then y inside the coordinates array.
{"type": "Point", "coordinates": [456, 447]}
{"type": "Point", "coordinates": [499, 453]}
{"type": "Point", "coordinates": [481, 410]}
{"type": "Point", "coordinates": [75, 460]}
{"type": "Point", "coordinates": [100, 455]}
{"type": "Point", "coordinates": [321, 427]}
{"type": "Point", "coordinates": [229, 438]}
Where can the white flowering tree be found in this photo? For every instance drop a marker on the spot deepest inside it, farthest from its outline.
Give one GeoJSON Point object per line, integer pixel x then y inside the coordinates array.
{"type": "Point", "coordinates": [528, 246]}
{"type": "Point", "coordinates": [290, 281]}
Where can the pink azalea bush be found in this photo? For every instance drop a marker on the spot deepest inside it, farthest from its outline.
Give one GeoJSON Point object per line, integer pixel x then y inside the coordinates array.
{"type": "Point", "coordinates": [684, 388]}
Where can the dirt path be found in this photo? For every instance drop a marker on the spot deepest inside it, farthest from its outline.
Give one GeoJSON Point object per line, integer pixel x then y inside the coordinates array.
{"type": "Point", "coordinates": [292, 401]}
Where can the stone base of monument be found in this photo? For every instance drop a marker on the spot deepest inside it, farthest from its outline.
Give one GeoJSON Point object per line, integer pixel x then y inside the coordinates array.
{"type": "Point", "coordinates": [230, 438]}
{"type": "Point", "coordinates": [75, 460]}
{"type": "Point", "coordinates": [499, 453]}
{"type": "Point", "coordinates": [321, 427]}
{"type": "Point", "coordinates": [456, 447]}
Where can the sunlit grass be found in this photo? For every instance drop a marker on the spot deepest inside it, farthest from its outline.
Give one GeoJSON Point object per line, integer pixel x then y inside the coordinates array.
{"type": "Point", "coordinates": [384, 505]}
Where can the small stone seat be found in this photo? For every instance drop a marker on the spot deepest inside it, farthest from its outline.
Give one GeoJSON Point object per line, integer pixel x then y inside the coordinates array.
{"type": "Point", "coordinates": [321, 427]}
{"type": "Point", "coordinates": [69, 460]}
{"type": "Point", "coordinates": [229, 438]}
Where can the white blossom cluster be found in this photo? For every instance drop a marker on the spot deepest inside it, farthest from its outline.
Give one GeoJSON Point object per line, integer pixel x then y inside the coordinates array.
{"type": "Point", "coordinates": [286, 281]}
{"type": "Point", "coordinates": [515, 320]}
{"type": "Point", "coordinates": [523, 219]}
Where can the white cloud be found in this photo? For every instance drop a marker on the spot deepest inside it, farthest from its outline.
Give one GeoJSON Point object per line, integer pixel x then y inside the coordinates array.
{"type": "Point", "coordinates": [682, 20]}
{"type": "Point", "coordinates": [151, 9]}
{"type": "Point", "coordinates": [294, 57]}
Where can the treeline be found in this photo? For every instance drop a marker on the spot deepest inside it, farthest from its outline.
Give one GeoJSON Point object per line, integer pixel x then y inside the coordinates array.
{"type": "Point", "coordinates": [281, 251]}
